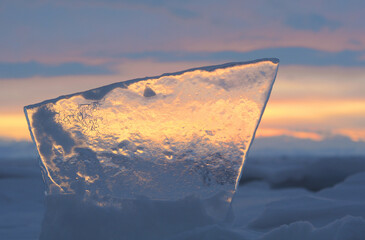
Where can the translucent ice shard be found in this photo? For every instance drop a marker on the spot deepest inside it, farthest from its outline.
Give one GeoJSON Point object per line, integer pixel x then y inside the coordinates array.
{"type": "Point", "coordinates": [167, 138]}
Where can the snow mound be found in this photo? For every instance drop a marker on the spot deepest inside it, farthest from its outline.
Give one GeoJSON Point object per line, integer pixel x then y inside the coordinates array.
{"type": "Point", "coordinates": [319, 209]}
{"type": "Point", "coordinates": [310, 173]}
{"type": "Point", "coordinates": [346, 228]}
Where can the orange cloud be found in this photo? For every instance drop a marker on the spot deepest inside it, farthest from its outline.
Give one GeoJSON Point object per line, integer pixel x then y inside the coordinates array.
{"type": "Point", "coordinates": [273, 132]}
{"type": "Point", "coordinates": [354, 134]}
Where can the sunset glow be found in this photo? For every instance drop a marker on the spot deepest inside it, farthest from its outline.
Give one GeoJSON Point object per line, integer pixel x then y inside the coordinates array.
{"type": "Point", "coordinates": [13, 127]}
{"type": "Point", "coordinates": [280, 118]}
{"type": "Point", "coordinates": [313, 110]}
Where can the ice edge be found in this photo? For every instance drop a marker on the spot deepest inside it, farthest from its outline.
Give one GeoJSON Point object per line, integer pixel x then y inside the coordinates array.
{"type": "Point", "coordinates": [100, 92]}
{"type": "Point", "coordinates": [257, 126]}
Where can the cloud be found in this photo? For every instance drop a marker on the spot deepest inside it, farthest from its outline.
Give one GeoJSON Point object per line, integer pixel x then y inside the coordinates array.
{"type": "Point", "coordinates": [31, 69]}
{"type": "Point", "coordinates": [183, 13]}
{"type": "Point", "coordinates": [68, 29]}
{"type": "Point", "coordinates": [155, 6]}
{"type": "Point", "coordinates": [287, 56]}
{"type": "Point", "coordinates": [313, 22]}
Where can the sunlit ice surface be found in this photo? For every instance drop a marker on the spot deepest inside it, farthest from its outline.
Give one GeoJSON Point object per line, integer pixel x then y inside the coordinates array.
{"type": "Point", "coordinates": [166, 138]}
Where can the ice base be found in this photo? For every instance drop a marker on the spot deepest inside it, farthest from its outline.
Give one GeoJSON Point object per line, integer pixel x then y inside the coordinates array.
{"type": "Point", "coordinates": [167, 138]}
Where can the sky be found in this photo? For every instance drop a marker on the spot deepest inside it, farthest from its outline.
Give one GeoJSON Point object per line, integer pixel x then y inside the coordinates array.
{"type": "Point", "coordinates": [51, 48]}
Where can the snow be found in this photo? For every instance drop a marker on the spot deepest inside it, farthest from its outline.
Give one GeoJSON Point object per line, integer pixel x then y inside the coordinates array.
{"type": "Point", "coordinates": [260, 212]}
